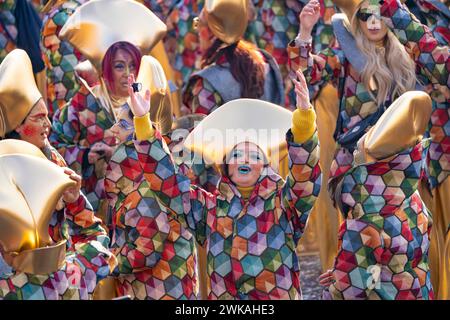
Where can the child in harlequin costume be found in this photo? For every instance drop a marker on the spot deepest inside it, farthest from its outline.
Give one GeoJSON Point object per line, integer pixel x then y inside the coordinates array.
{"type": "Point", "coordinates": [67, 254]}
{"type": "Point", "coordinates": [231, 67]}
{"type": "Point", "coordinates": [385, 238]}
{"type": "Point", "coordinates": [59, 56]}
{"type": "Point", "coordinates": [252, 224]}
{"type": "Point", "coordinates": [81, 130]}
{"type": "Point", "coordinates": [156, 256]}
{"type": "Point", "coordinates": [365, 91]}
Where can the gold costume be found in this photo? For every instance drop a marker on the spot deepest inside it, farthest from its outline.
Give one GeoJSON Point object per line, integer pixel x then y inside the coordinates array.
{"type": "Point", "coordinates": [16, 103]}
{"type": "Point", "coordinates": [26, 207]}
{"type": "Point", "coordinates": [227, 19]}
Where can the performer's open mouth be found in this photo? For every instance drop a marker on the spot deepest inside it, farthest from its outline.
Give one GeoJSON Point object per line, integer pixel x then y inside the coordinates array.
{"type": "Point", "coordinates": [244, 169]}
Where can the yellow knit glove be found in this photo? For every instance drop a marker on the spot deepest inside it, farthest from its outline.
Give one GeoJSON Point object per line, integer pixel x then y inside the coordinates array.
{"type": "Point", "coordinates": [303, 124]}
{"type": "Point", "coordinates": [143, 127]}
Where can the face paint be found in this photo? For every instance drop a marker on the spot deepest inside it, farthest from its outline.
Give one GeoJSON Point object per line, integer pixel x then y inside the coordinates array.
{"type": "Point", "coordinates": [29, 130]}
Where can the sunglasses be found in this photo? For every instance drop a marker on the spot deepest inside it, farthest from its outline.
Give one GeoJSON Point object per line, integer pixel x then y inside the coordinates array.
{"type": "Point", "coordinates": [364, 16]}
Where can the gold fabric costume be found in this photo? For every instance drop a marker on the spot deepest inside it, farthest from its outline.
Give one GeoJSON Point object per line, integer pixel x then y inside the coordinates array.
{"type": "Point", "coordinates": [227, 19]}
{"type": "Point", "coordinates": [17, 97]}
{"type": "Point", "coordinates": [325, 219]}
{"type": "Point", "coordinates": [152, 77]}
{"type": "Point", "coordinates": [390, 135]}
{"type": "Point", "coordinates": [96, 25]}
{"type": "Point", "coordinates": [438, 202]}
{"type": "Point", "coordinates": [26, 206]}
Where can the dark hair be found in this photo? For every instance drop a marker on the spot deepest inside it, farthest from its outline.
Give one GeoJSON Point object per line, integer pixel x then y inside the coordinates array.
{"type": "Point", "coordinates": [107, 63]}
{"type": "Point", "coordinates": [12, 135]}
{"type": "Point", "coordinates": [246, 65]}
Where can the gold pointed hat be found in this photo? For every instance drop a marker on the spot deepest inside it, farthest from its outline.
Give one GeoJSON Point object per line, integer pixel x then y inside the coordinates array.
{"type": "Point", "coordinates": [400, 127]}
{"type": "Point", "coordinates": [96, 25]}
{"type": "Point", "coordinates": [256, 121]}
{"type": "Point", "coordinates": [18, 90]}
{"type": "Point", "coordinates": [152, 77]}
{"type": "Point", "coordinates": [227, 19]}
{"type": "Point", "coordinates": [30, 187]}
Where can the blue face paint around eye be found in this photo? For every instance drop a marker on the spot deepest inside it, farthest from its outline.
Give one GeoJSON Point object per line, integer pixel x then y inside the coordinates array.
{"type": "Point", "coordinates": [124, 124]}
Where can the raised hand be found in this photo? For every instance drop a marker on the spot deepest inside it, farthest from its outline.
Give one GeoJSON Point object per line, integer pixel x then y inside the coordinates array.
{"type": "Point", "coordinates": [301, 90]}
{"type": "Point", "coordinates": [308, 18]}
{"type": "Point", "coordinates": [139, 105]}
{"type": "Point", "coordinates": [72, 193]}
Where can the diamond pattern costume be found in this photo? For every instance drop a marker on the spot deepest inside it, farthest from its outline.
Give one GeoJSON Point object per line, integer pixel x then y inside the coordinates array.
{"type": "Point", "coordinates": [59, 56]}
{"type": "Point", "coordinates": [251, 245]}
{"type": "Point", "coordinates": [276, 23]}
{"type": "Point", "coordinates": [182, 41]}
{"type": "Point", "coordinates": [156, 255]}
{"type": "Point", "coordinates": [331, 65]}
{"type": "Point", "coordinates": [76, 127]}
{"type": "Point", "coordinates": [384, 241]}
{"type": "Point", "coordinates": [435, 15]}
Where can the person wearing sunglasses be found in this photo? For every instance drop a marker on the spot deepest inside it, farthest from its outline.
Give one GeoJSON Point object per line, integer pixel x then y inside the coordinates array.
{"type": "Point", "coordinates": [376, 60]}
{"type": "Point", "coordinates": [231, 67]}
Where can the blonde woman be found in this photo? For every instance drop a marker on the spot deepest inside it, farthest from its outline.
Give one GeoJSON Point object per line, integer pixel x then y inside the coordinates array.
{"type": "Point", "coordinates": [382, 52]}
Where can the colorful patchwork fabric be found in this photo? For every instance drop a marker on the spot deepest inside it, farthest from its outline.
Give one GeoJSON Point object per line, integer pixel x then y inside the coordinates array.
{"type": "Point", "coordinates": [331, 65]}
{"type": "Point", "coordinates": [59, 56]}
{"type": "Point", "coordinates": [276, 23]}
{"type": "Point", "coordinates": [384, 241]}
{"type": "Point", "coordinates": [75, 280]}
{"type": "Point", "coordinates": [250, 245]}
{"type": "Point", "coordinates": [433, 62]}
{"type": "Point", "coordinates": [201, 174]}
{"type": "Point", "coordinates": [161, 8]}
{"type": "Point", "coordinates": [156, 255]}
{"type": "Point", "coordinates": [200, 97]}
{"type": "Point", "coordinates": [76, 127]}
{"type": "Point", "coordinates": [8, 29]}
{"type": "Point", "coordinates": [182, 41]}
{"type": "Point", "coordinates": [87, 259]}
{"type": "Point", "coordinates": [435, 15]}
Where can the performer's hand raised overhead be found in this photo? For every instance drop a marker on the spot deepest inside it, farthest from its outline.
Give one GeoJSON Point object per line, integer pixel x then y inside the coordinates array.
{"type": "Point", "coordinates": [308, 18]}
{"type": "Point", "coordinates": [301, 90]}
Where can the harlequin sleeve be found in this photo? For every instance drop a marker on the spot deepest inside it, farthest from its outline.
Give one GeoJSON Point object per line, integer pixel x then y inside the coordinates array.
{"type": "Point", "coordinates": [84, 226]}
{"type": "Point", "coordinates": [356, 271]}
{"type": "Point", "coordinates": [59, 59]}
{"type": "Point", "coordinates": [302, 185]}
{"type": "Point", "coordinates": [142, 248]}
{"type": "Point", "coordinates": [319, 69]}
{"type": "Point", "coordinates": [65, 137]}
{"type": "Point", "coordinates": [188, 204]}
{"type": "Point", "coordinates": [432, 58]}
{"type": "Point", "coordinates": [200, 97]}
